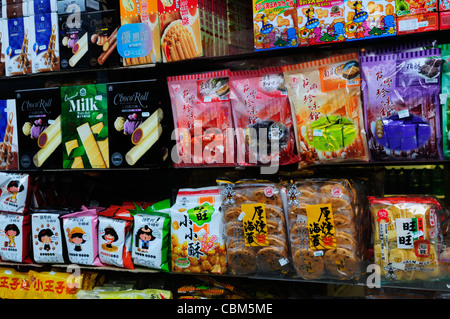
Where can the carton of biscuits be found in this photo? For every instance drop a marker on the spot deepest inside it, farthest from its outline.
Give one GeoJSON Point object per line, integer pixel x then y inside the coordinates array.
{"type": "Point", "coordinates": [255, 228]}
{"type": "Point", "coordinates": [322, 228]}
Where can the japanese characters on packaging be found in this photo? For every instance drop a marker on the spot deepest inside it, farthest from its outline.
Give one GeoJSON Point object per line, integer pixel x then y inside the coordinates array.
{"type": "Point", "coordinates": [139, 132]}
{"type": "Point", "coordinates": [15, 238]}
{"type": "Point", "coordinates": [81, 235]}
{"type": "Point", "coordinates": [84, 123]}
{"type": "Point", "coordinates": [203, 120]}
{"type": "Point", "coordinates": [422, 22]}
{"type": "Point", "coordinates": [262, 117]}
{"type": "Point", "coordinates": [326, 103]}
{"type": "Point", "coordinates": [115, 236]}
{"type": "Point", "coordinates": [180, 30]}
{"type": "Point", "coordinates": [9, 147]}
{"type": "Point", "coordinates": [320, 22]}
{"type": "Point", "coordinates": [412, 7]}
{"type": "Point", "coordinates": [369, 18]}
{"type": "Point", "coordinates": [39, 120]}
{"type": "Point", "coordinates": [401, 102]}
{"type": "Point", "coordinates": [323, 228]}
{"type": "Point", "coordinates": [444, 98]}
{"type": "Point", "coordinates": [16, 45]}
{"type": "Point", "coordinates": [15, 192]}
{"type": "Point", "coordinates": [405, 237]}
{"type": "Point", "coordinates": [275, 24]}
{"type": "Point", "coordinates": [255, 227]}
{"type": "Point", "coordinates": [197, 234]}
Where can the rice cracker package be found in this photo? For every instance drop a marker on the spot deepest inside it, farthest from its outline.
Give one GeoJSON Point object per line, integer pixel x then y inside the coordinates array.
{"type": "Point", "coordinates": [323, 229]}
{"type": "Point", "coordinates": [255, 227]}
{"type": "Point", "coordinates": [151, 236]}
{"type": "Point", "coordinates": [197, 235]}
{"type": "Point", "coordinates": [15, 238]}
{"type": "Point", "coordinates": [15, 191]}
{"type": "Point", "coordinates": [325, 99]}
{"type": "Point", "coordinates": [262, 117]}
{"type": "Point", "coordinates": [202, 117]}
{"type": "Point", "coordinates": [405, 236]}
{"type": "Point", "coordinates": [445, 99]}
{"type": "Point", "coordinates": [401, 102]}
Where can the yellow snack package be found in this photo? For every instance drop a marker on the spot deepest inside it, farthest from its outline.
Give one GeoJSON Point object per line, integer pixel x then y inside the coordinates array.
{"type": "Point", "coordinates": [54, 285]}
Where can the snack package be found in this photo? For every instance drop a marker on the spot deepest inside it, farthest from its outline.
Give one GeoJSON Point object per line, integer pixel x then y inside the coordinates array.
{"type": "Point", "coordinates": [43, 6]}
{"type": "Point", "coordinates": [323, 230]}
{"type": "Point", "coordinates": [369, 19]}
{"type": "Point", "coordinates": [255, 227]}
{"type": "Point", "coordinates": [47, 236]}
{"type": "Point", "coordinates": [262, 117]}
{"type": "Point", "coordinates": [444, 252]}
{"type": "Point", "coordinates": [202, 117]}
{"type": "Point", "coordinates": [444, 5]}
{"type": "Point", "coordinates": [9, 149]}
{"type": "Point", "coordinates": [114, 236]}
{"type": "Point", "coordinates": [14, 284]}
{"type": "Point", "coordinates": [15, 43]}
{"type": "Point", "coordinates": [53, 285]}
{"type": "Point", "coordinates": [15, 192]}
{"type": "Point", "coordinates": [71, 6]}
{"type": "Point", "coordinates": [17, 10]}
{"type": "Point", "coordinates": [74, 38]}
{"type": "Point", "coordinates": [410, 7]}
{"type": "Point", "coordinates": [320, 22]}
{"type": "Point", "coordinates": [84, 124]}
{"type": "Point", "coordinates": [405, 236]}
{"type": "Point", "coordinates": [197, 234]}
{"type": "Point", "coordinates": [2, 50]}
{"type": "Point", "coordinates": [401, 104]}
{"type": "Point", "coordinates": [326, 103]}
{"type": "Point", "coordinates": [417, 23]}
{"type": "Point", "coordinates": [444, 20]}
{"type": "Point", "coordinates": [444, 98]}
{"type": "Point", "coordinates": [180, 30]}
{"type": "Point", "coordinates": [81, 234]}
{"type": "Point", "coordinates": [151, 236]}
{"type": "Point", "coordinates": [39, 121]}
{"type": "Point", "coordinates": [139, 17]}
{"type": "Point", "coordinates": [274, 24]}
{"type": "Point", "coordinates": [15, 238]}
{"type": "Point", "coordinates": [126, 294]}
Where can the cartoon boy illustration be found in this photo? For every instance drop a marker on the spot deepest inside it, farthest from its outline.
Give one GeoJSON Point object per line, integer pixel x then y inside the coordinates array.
{"type": "Point", "coordinates": [14, 188]}
{"type": "Point", "coordinates": [76, 237]}
{"type": "Point", "coordinates": [11, 232]}
{"type": "Point", "coordinates": [110, 236]}
{"type": "Point", "coordinates": [143, 237]}
{"type": "Point", "coordinates": [45, 237]}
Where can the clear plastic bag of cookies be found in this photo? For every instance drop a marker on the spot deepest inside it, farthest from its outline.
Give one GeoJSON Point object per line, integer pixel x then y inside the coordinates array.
{"type": "Point", "coordinates": [406, 237]}
{"type": "Point", "coordinates": [322, 228]}
{"type": "Point", "coordinates": [255, 228]}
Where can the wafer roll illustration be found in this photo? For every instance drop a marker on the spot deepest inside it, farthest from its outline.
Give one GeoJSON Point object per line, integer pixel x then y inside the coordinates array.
{"type": "Point", "coordinates": [146, 127]}
{"type": "Point", "coordinates": [77, 161]}
{"type": "Point", "coordinates": [50, 133]}
{"type": "Point", "coordinates": [136, 152]}
{"type": "Point", "coordinates": [91, 147]}
{"type": "Point", "coordinates": [79, 50]}
{"type": "Point", "coordinates": [41, 156]}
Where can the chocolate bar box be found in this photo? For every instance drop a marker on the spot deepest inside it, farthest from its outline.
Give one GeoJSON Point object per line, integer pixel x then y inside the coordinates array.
{"type": "Point", "coordinates": [39, 128]}
{"type": "Point", "coordinates": [139, 130]}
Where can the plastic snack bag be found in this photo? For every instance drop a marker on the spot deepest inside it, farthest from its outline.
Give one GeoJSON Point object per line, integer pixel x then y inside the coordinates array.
{"type": "Point", "coordinates": [202, 118]}
{"type": "Point", "coordinates": [255, 227]}
{"type": "Point", "coordinates": [80, 230]}
{"type": "Point", "coordinates": [53, 285]}
{"type": "Point", "coordinates": [114, 236]}
{"type": "Point", "coordinates": [15, 238]}
{"type": "Point", "coordinates": [445, 99]}
{"type": "Point", "coordinates": [14, 284]}
{"type": "Point", "coordinates": [262, 117]}
{"type": "Point", "coordinates": [197, 235]}
{"type": "Point", "coordinates": [15, 192]}
{"type": "Point", "coordinates": [405, 236]}
{"type": "Point", "coordinates": [401, 103]}
{"type": "Point", "coordinates": [151, 236]}
{"type": "Point", "coordinates": [326, 102]}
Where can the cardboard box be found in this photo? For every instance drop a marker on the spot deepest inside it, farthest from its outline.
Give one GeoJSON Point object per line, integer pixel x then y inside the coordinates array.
{"type": "Point", "coordinates": [17, 46]}
{"type": "Point", "coordinates": [44, 43]}
{"type": "Point", "coordinates": [2, 50]}
{"type": "Point", "coordinates": [17, 10]}
{"type": "Point", "coordinates": [135, 108]}
{"type": "Point", "coordinates": [43, 6]}
{"type": "Point", "coordinates": [413, 7]}
{"type": "Point", "coordinates": [444, 20]}
{"type": "Point", "coordinates": [8, 135]}
{"type": "Point", "coordinates": [74, 39]}
{"type": "Point", "coordinates": [71, 6]}
{"type": "Point", "coordinates": [39, 128]}
{"type": "Point", "coordinates": [418, 23]}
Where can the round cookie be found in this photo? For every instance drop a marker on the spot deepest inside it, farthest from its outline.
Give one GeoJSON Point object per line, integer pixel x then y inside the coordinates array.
{"type": "Point", "coordinates": [268, 259]}
{"type": "Point", "coordinates": [240, 198]}
{"type": "Point", "coordinates": [232, 213]}
{"type": "Point", "coordinates": [307, 265]}
{"type": "Point", "coordinates": [340, 262]}
{"type": "Point", "coordinates": [342, 221]}
{"type": "Point", "coordinates": [242, 260]}
{"type": "Point", "coordinates": [234, 229]}
{"type": "Point", "coordinates": [345, 240]}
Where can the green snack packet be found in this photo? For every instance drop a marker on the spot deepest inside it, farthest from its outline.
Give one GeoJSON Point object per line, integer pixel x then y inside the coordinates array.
{"type": "Point", "coordinates": [445, 99]}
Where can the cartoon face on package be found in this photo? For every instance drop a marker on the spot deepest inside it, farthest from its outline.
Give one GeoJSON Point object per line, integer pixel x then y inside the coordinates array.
{"type": "Point", "coordinates": [369, 18]}
{"type": "Point", "coordinates": [47, 238]}
{"type": "Point", "coordinates": [14, 195]}
{"type": "Point", "coordinates": [320, 22]}
{"type": "Point", "coordinates": [114, 241]}
{"type": "Point", "coordinates": [274, 24]}
{"type": "Point", "coordinates": [14, 235]}
{"type": "Point", "coordinates": [198, 243]}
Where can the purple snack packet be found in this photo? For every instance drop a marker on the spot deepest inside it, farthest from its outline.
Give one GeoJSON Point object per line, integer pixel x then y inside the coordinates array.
{"type": "Point", "coordinates": [401, 104]}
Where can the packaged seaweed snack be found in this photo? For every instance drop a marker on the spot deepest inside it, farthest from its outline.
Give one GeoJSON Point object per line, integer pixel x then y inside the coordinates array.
{"type": "Point", "coordinates": [401, 103]}
{"type": "Point", "coordinates": [445, 99]}
{"type": "Point", "coordinates": [114, 236]}
{"type": "Point", "coordinates": [202, 118]}
{"type": "Point", "coordinates": [197, 234]}
{"type": "Point", "coordinates": [326, 102]}
{"type": "Point", "coordinates": [323, 229]}
{"type": "Point", "coordinates": [80, 231]}
{"type": "Point", "coordinates": [405, 236]}
{"type": "Point", "coordinates": [262, 117]}
{"type": "Point", "coordinates": [15, 238]}
{"type": "Point", "coordinates": [15, 192]}
{"type": "Point", "coordinates": [255, 227]}
{"type": "Point", "coordinates": [151, 236]}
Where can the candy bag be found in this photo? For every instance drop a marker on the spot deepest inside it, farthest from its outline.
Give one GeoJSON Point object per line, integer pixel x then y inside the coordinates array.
{"type": "Point", "coordinates": [202, 118]}
{"type": "Point", "coordinates": [15, 192]}
{"type": "Point", "coordinates": [15, 238]}
{"type": "Point", "coordinates": [326, 102]}
{"type": "Point", "coordinates": [80, 230]}
{"type": "Point", "coordinates": [445, 99]}
{"type": "Point", "coordinates": [262, 117]}
{"type": "Point", "coordinates": [114, 236]}
{"type": "Point", "coordinates": [151, 236]}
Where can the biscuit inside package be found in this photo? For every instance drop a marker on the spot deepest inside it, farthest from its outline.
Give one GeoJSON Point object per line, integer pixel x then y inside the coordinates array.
{"type": "Point", "coordinates": [325, 99]}
{"type": "Point", "coordinates": [322, 226]}
{"type": "Point", "coordinates": [406, 236]}
{"type": "Point", "coordinates": [255, 227]}
{"type": "Point", "coordinates": [262, 117]}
